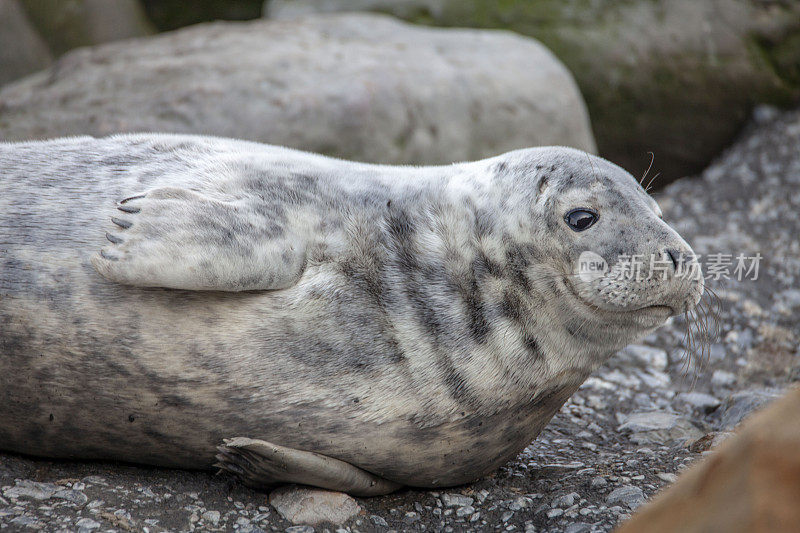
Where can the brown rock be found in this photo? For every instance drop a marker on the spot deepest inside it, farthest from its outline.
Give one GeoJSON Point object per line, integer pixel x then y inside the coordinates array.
{"type": "Point", "coordinates": [751, 483]}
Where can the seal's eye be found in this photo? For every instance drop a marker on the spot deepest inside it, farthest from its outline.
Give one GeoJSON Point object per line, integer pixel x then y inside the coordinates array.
{"type": "Point", "coordinates": [580, 219]}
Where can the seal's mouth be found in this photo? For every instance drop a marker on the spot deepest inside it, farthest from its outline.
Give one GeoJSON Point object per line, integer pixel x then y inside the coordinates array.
{"type": "Point", "coordinates": [659, 309]}
{"type": "Point", "coordinates": [655, 312]}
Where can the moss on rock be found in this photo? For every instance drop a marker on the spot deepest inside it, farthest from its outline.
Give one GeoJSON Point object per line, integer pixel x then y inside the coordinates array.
{"type": "Point", "coordinates": [675, 77]}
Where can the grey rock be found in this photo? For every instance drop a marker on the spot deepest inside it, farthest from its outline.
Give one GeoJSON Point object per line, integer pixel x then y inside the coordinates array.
{"type": "Point", "coordinates": [378, 521]}
{"type": "Point", "coordinates": [251, 528]}
{"type": "Point", "coordinates": [598, 482]}
{"type": "Point", "coordinates": [717, 352]}
{"type": "Point", "coordinates": [27, 521]}
{"type": "Point", "coordinates": [790, 297]}
{"type": "Point", "coordinates": [638, 48]}
{"type": "Point", "coordinates": [567, 500]}
{"type": "Point", "coordinates": [699, 401]}
{"type": "Point", "coordinates": [73, 496]}
{"type": "Point", "coordinates": [22, 50]}
{"type": "Point", "coordinates": [211, 516]}
{"type": "Point", "coordinates": [467, 510]}
{"type": "Point", "coordinates": [313, 506]}
{"type": "Point", "coordinates": [456, 500]}
{"type": "Point", "coordinates": [555, 513]}
{"type": "Point", "coordinates": [658, 427]}
{"type": "Point", "coordinates": [31, 489]}
{"type": "Point", "coordinates": [627, 494]}
{"type": "Point", "coordinates": [740, 404]}
{"type": "Point", "coordinates": [667, 476]}
{"type": "Point", "coordinates": [520, 502]}
{"type": "Point", "coordinates": [87, 524]}
{"type": "Point", "coordinates": [410, 517]}
{"type": "Point", "coordinates": [299, 529]}
{"type": "Point", "coordinates": [644, 356]}
{"type": "Point", "coordinates": [357, 86]}
{"type": "Point", "coordinates": [578, 527]}
{"type": "Point", "coordinates": [722, 378]}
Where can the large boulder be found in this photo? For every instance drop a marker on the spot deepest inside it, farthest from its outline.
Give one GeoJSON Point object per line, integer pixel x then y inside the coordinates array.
{"type": "Point", "coordinates": [359, 86]}
{"type": "Point", "coordinates": [22, 51]}
{"type": "Point", "coordinates": [675, 77]}
{"type": "Point", "coordinates": [68, 24]}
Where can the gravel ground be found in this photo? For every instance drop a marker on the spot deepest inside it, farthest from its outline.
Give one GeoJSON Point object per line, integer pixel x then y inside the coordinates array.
{"type": "Point", "coordinates": [623, 436]}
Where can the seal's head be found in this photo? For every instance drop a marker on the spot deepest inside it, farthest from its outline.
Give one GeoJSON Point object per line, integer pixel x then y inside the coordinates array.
{"type": "Point", "coordinates": [619, 268]}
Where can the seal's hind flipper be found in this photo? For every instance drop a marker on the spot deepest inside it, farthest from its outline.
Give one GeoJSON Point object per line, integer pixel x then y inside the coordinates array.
{"type": "Point", "coordinates": [180, 239]}
{"type": "Point", "coordinates": [260, 465]}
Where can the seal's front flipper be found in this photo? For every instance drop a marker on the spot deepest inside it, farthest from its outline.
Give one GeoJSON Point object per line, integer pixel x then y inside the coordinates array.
{"type": "Point", "coordinates": [181, 239]}
{"type": "Point", "coordinates": [260, 465]}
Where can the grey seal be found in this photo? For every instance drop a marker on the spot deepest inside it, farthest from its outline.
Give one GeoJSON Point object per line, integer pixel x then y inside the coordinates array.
{"type": "Point", "coordinates": [192, 301]}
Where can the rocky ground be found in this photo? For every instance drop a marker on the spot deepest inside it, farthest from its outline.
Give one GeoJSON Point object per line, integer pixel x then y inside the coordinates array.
{"type": "Point", "coordinates": [632, 427]}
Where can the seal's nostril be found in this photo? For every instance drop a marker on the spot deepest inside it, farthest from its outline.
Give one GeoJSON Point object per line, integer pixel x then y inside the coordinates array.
{"type": "Point", "coordinates": [676, 257]}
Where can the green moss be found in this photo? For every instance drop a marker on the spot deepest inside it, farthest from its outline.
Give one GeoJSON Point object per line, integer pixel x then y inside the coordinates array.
{"type": "Point", "coordinates": [782, 60]}
{"type": "Point", "coordinates": [171, 14]}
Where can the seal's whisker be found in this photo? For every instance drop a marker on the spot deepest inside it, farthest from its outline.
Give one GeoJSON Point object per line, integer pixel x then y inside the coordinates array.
{"type": "Point", "coordinates": [647, 189]}
{"type": "Point", "coordinates": [652, 158]}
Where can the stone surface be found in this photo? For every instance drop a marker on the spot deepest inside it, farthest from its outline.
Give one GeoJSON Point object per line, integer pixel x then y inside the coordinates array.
{"type": "Point", "coordinates": [659, 427]}
{"type": "Point", "coordinates": [301, 505]}
{"type": "Point", "coordinates": [456, 500]}
{"type": "Point", "coordinates": [22, 50]}
{"type": "Point", "coordinates": [674, 77]}
{"type": "Point", "coordinates": [697, 400]}
{"type": "Point", "coordinates": [31, 489]}
{"type": "Point", "coordinates": [709, 441]}
{"type": "Point", "coordinates": [365, 87]}
{"type": "Point", "coordinates": [69, 24]}
{"type": "Point", "coordinates": [644, 356]}
{"type": "Point", "coordinates": [627, 494]}
{"type": "Point", "coordinates": [744, 202]}
{"type": "Point", "coordinates": [741, 404]}
{"type": "Point", "coordinates": [751, 483]}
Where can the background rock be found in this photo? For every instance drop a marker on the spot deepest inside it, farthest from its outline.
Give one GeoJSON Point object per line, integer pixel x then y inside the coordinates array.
{"type": "Point", "coordinates": [301, 505]}
{"type": "Point", "coordinates": [657, 427]}
{"type": "Point", "coordinates": [627, 494]}
{"type": "Point", "coordinates": [363, 87]}
{"type": "Point", "coordinates": [746, 201]}
{"type": "Point", "coordinates": [68, 24]}
{"type": "Point", "coordinates": [751, 483]}
{"type": "Point", "coordinates": [22, 51]}
{"type": "Point", "coordinates": [173, 14]}
{"type": "Point", "coordinates": [740, 404]}
{"type": "Point", "coordinates": [675, 77]}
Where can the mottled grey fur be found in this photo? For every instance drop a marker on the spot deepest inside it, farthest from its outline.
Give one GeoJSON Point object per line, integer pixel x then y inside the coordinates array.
{"type": "Point", "coordinates": [422, 324]}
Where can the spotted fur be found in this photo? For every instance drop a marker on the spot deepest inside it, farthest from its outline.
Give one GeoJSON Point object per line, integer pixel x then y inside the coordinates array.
{"type": "Point", "coordinates": [421, 323]}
